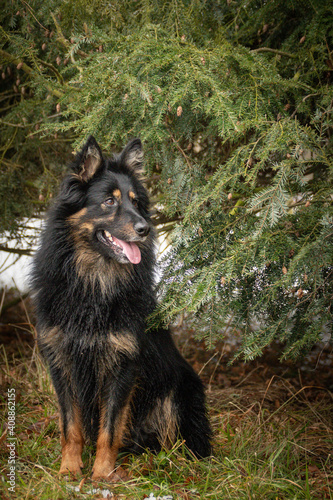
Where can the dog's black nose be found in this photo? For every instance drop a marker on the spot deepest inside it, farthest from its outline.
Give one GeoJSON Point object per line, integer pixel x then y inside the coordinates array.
{"type": "Point", "coordinates": [142, 228]}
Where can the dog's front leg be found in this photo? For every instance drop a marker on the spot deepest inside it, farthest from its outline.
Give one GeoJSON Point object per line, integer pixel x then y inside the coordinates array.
{"type": "Point", "coordinates": [72, 442]}
{"type": "Point", "coordinates": [72, 439]}
{"type": "Point", "coordinates": [115, 407]}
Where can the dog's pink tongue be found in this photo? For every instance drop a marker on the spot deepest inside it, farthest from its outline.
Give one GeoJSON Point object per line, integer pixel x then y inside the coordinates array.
{"type": "Point", "coordinates": [131, 250]}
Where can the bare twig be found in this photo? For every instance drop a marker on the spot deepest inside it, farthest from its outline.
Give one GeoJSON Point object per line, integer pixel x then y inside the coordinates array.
{"type": "Point", "coordinates": [274, 51]}
{"type": "Point", "coordinates": [18, 251]}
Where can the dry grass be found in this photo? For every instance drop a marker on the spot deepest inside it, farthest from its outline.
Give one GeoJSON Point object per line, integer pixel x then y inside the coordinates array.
{"type": "Point", "coordinates": [273, 438]}
{"type": "Point", "coordinates": [271, 442]}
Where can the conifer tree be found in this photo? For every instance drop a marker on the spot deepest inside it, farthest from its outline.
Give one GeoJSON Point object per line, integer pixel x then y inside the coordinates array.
{"type": "Point", "coordinates": [233, 102]}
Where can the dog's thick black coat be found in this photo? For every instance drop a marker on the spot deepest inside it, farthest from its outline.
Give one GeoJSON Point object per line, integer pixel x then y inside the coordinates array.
{"type": "Point", "coordinates": [118, 384]}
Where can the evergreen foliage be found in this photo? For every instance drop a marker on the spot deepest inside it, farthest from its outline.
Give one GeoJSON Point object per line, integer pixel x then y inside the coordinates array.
{"type": "Point", "coordinates": [233, 101]}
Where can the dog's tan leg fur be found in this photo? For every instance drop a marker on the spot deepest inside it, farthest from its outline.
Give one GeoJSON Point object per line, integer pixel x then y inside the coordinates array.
{"type": "Point", "coordinates": [72, 446]}
{"type": "Point", "coordinates": [106, 453]}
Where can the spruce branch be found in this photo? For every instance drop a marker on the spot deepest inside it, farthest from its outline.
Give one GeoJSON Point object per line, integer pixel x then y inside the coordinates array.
{"type": "Point", "coordinates": [65, 42]}
{"type": "Point", "coordinates": [29, 125]}
{"type": "Point", "coordinates": [251, 235]}
{"type": "Point", "coordinates": [15, 60]}
{"type": "Point", "coordinates": [53, 69]}
{"type": "Point", "coordinates": [182, 152]}
{"type": "Point", "coordinates": [27, 69]}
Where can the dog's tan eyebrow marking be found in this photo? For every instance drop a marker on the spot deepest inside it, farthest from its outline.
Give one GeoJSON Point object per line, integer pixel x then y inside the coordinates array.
{"type": "Point", "coordinates": [131, 195]}
{"type": "Point", "coordinates": [117, 194]}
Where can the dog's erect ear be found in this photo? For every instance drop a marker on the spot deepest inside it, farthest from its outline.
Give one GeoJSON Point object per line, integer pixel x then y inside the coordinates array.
{"type": "Point", "coordinates": [89, 160]}
{"type": "Point", "coordinates": [132, 156]}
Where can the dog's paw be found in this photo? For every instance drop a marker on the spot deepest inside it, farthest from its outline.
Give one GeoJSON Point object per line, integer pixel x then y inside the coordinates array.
{"type": "Point", "coordinates": [112, 476]}
{"type": "Point", "coordinates": [71, 467]}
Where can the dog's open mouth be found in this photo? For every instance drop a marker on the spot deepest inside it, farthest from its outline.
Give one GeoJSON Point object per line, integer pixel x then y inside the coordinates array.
{"type": "Point", "coordinates": [120, 247]}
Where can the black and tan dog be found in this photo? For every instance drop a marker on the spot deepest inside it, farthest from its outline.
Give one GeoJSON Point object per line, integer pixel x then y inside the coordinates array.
{"type": "Point", "coordinates": [118, 385]}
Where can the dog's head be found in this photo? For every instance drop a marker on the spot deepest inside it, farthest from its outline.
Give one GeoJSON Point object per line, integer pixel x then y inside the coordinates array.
{"type": "Point", "coordinates": [108, 203]}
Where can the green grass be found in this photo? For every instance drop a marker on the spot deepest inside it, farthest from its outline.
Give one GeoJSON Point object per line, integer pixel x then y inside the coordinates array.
{"type": "Point", "coordinates": [262, 449]}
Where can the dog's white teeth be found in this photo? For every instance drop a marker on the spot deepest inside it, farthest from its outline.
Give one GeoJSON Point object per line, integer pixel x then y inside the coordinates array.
{"type": "Point", "coordinates": [110, 238]}
{"type": "Point", "coordinates": [108, 235]}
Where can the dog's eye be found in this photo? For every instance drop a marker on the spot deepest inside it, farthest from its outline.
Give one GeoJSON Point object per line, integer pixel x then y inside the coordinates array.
{"type": "Point", "coordinates": [110, 201]}
{"type": "Point", "coordinates": [135, 202]}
